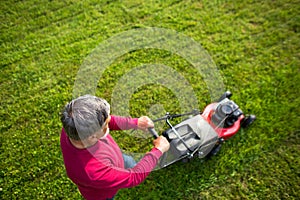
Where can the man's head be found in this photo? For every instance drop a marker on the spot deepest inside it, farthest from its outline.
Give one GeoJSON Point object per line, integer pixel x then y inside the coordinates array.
{"type": "Point", "coordinates": [85, 116]}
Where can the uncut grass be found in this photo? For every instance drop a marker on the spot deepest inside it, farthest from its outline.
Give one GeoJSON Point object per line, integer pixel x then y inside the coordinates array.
{"type": "Point", "coordinates": [254, 44]}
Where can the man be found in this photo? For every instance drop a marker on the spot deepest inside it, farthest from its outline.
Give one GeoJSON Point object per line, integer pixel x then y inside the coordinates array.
{"type": "Point", "coordinates": [93, 160]}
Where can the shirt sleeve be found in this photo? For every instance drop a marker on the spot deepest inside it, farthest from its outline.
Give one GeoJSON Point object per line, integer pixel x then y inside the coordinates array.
{"type": "Point", "coordinates": [114, 177]}
{"type": "Point", "coordinates": [122, 123]}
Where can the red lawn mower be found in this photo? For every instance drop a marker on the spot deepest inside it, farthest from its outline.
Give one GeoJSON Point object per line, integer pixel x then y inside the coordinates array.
{"type": "Point", "coordinates": [202, 133]}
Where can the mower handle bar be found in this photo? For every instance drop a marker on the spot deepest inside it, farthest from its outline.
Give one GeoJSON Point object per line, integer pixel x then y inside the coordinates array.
{"type": "Point", "coordinates": [171, 116]}
{"type": "Point", "coordinates": [153, 132]}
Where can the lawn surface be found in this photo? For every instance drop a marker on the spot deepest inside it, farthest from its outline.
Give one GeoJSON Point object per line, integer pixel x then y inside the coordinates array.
{"type": "Point", "coordinates": [254, 44]}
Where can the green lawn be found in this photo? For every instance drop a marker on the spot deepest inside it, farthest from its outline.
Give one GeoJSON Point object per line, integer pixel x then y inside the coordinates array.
{"type": "Point", "coordinates": [254, 44]}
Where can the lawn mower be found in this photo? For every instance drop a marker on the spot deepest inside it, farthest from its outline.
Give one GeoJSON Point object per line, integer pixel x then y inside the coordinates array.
{"type": "Point", "coordinates": [202, 133]}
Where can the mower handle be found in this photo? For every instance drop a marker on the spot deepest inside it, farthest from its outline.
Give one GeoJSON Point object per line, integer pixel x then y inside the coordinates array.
{"type": "Point", "coordinates": [153, 132]}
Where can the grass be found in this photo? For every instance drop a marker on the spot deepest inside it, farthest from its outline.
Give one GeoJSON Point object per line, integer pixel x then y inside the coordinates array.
{"type": "Point", "coordinates": [255, 45]}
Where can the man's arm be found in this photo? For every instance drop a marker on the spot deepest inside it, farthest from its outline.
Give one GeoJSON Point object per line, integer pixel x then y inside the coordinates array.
{"type": "Point", "coordinates": [109, 176]}
{"type": "Point", "coordinates": [122, 123]}
{"type": "Point", "coordinates": [125, 123]}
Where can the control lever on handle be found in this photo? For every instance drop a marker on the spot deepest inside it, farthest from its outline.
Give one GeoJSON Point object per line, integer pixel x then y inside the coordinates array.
{"type": "Point", "coordinates": [153, 132]}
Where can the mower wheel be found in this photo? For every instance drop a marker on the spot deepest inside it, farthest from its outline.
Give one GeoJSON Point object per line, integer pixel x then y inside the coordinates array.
{"type": "Point", "coordinates": [214, 151]}
{"type": "Point", "coordinates": [247, 121]}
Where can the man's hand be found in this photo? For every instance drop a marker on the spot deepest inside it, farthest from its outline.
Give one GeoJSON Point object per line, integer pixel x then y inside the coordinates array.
{"type": "Point", "coordinates": [144, 123]}
{"type": "Point", "coordinates": [162, 144]}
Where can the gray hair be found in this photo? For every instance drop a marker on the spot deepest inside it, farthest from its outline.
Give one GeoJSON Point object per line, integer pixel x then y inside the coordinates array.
{"type": "Point", "coordinates": [84, 116]}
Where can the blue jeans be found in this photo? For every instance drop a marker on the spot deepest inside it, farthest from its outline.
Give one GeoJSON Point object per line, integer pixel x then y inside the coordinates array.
{"type": "Point", "coordinates": [129, 162]}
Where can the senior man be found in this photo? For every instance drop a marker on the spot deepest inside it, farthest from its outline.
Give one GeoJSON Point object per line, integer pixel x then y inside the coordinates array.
{"type": "Point", "coordinates": [93, 160]}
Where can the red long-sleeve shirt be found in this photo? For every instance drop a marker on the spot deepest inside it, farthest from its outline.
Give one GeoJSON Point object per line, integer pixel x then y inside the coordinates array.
{"type": "Point", "coordinates": [98, 171]}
